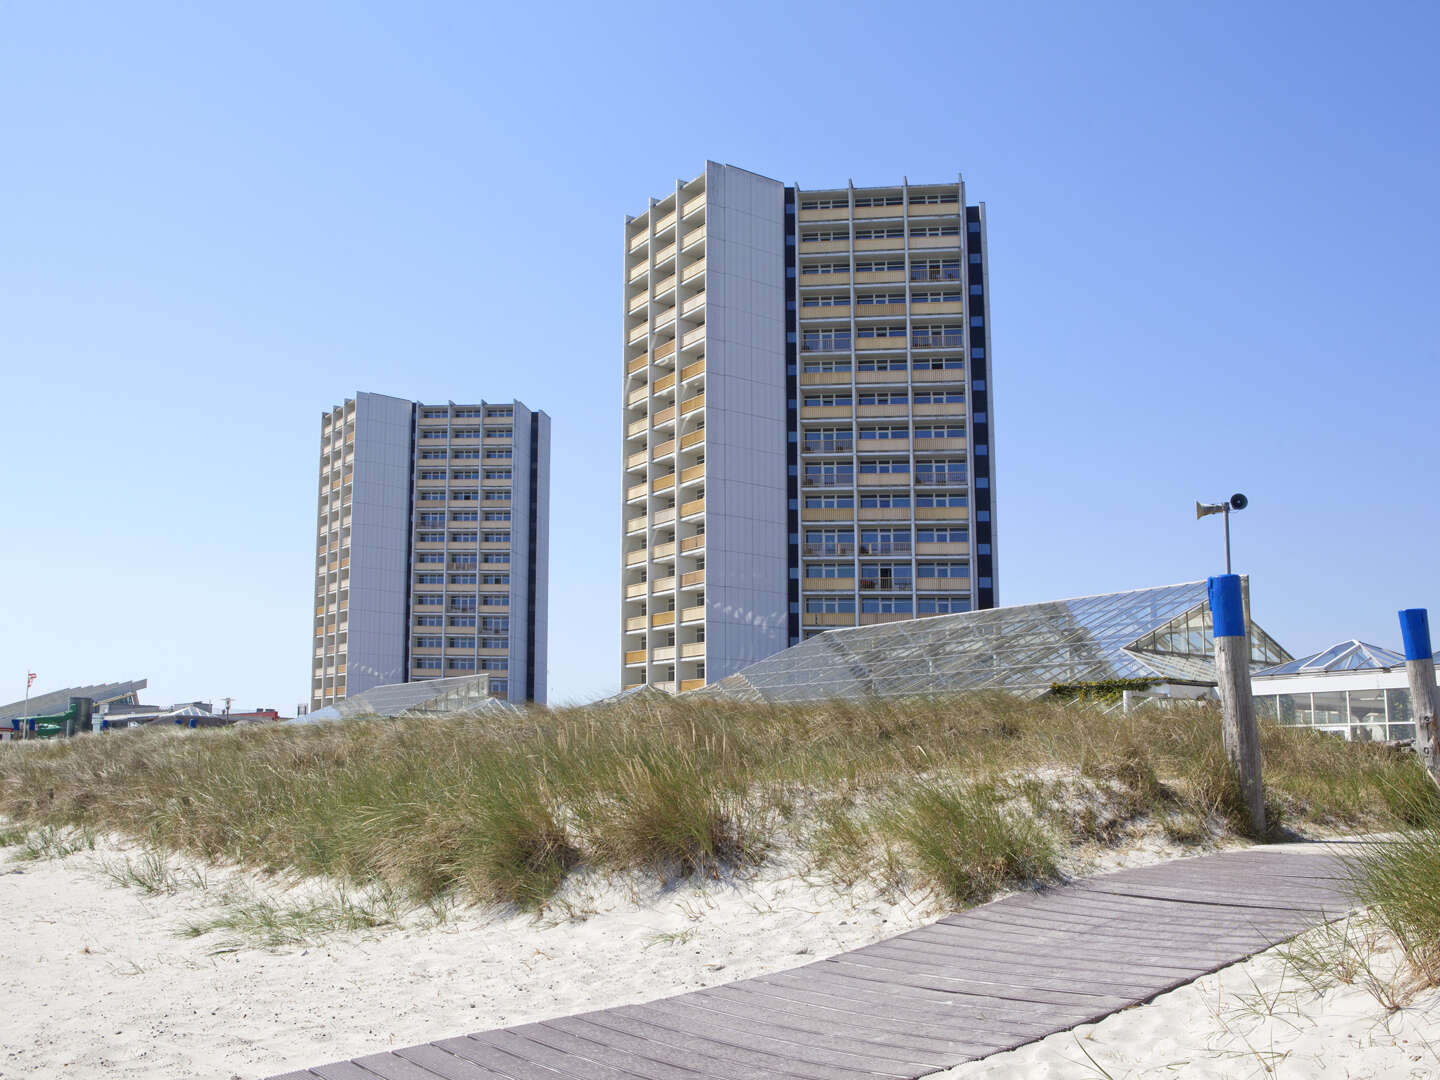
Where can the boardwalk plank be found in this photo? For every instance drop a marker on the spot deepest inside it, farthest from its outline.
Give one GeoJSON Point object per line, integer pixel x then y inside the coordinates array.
{"type": "Point", "coordinates": [1104, 950]}
{"type": "Point", "coordinates": [343, 1070]}
{"type": "Point", "coordinates": [569, 1063]}
{"type": "Point", "coordinates": [897, 973]}
{"type": "Point", "coordinates": [657, 1061]}
{"type": "Point", "coordinates": [393, 1067]}
{"type": "Point", "coordinates": [1058, 976]}
{"type": "Point", "coordinates": [1039, 955]}
{"type": "Point", "coordinates": [447, 1065]}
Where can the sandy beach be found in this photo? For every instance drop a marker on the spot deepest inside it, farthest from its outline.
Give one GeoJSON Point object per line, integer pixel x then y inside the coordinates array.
{"type": "Point", "coordinates": [101, 983]}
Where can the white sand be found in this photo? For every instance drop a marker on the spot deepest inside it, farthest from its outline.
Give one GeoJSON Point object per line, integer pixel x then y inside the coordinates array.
{"type": "Point", "coordinates": [96, 982]}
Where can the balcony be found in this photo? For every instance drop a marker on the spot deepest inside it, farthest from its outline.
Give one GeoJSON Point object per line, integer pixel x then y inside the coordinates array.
{"type": "Point", "coordinates": [825, 412]}
{"type": "Point", "coordinates": [693, 473]}
{"type": "Point", "coordinates": [922, 339]}
{"type": "Point", "coordinates": [931, 243]}
{"type": "Point", "coordinates": [827, 513]}
{"type": "Point", "coordinates": [943, 584]}
{"type": "Point", "coordinates": [940, 444]}
{"type": "Point", "coordinates": [694, 506]}
{"type": "Point", "coordinates": [692, 650]}
{"type": "Point", "coordinates": [693, 614]}
{"type": "Point", "coordinates": [665, 382]}
{"type": "Point", "coordinates": [635, 656]}
{"type": "Point", "coordinates": [635, 460]}
{"type": "Point", "coordinates": [664, 255]}
{"type": "Point", "coordinates": [639, 271]}
{"type": "Point", "coordinates": [635, 491]}
{"type": "Point", "coordinates": [942, 549]}
{"type": "Point", "coordinates": [665, 223]}
{"type": "Point", "coordinates": [882, 243]}
{"type": "Point", "coordinates": [635, 558]}
{"type": "Point", "coordinates": [836, 548]}
{"type": "Point", "coordinates": [665, 416]}
{"type": "Point", "coordinates": [898, 409]}
{"type": "Point", "coordinates": [636, 591]}
{"type": "Point", "coordinates": [635, 622]}
{"type": "Point", "coordinates": [664, 286]}
{"type": "Point", "coordinates": [694, 438]}
{"type": "Point", "coordinates": [829, 618]}
{"type": "Point", "coordinates": [874, 618]}
{"type": "Point", "coordinates": [695, 303]}
{"type": "Point", "coordinates": [663, 618]}
{"type": "Point", "coordinates": [686, 685]}
{"type": "Point", "coordinates": [890, 479]}
{"type": "Point", "coordinates": [639, 240]}
{"type": "Point", "coordinates": [824, 247]}
{"type": "Point", "coordinates": [664, 517]}
{"type": "Point", "coordinates": [693, 237]}
{"type": "Point", "coordinates": [692, 578]}
{"type": "Point", "coordinates": [664, 449]}
{"type": "Point", "coordinates": [690, 371]}
{"type": "Point", "coordinates": [637, 396]}
{"type": "Point", "coordinates": [829, 279]}
{"type": "Point", "coordinates": [664, 584]}
{"type": "Point", "coordinates": [693, 338]}
{"type": "Point", "coordinates": [697, 203]}
{"type": "Point", "coordinates": [638, 334]}
{"type": "Point", "coordinates": [880, 277]}
{"type": "Point", "coordinates": [638, 364]}
{"type": "Point", "coordinates": [694, 270]}
{"type": "Point", "coordinates": [662, 351]}
{"type": "Point", "coordinates": [955, 408]}
{"type": "Point", "coordinates": [942, 513]}
{"type": "Point", "coordinates": [637, 305]}
{"type": "Point", "coordinates": [664, 652]}
{"type": "Point", "coordinates": [637, 427]}
{"type": "Point", "coordinates": [884, 446]}
{"type": "Point", "coordinates": [894, 342]}
{"type": "Point", "coordinates": [693, 543]}
{"type": "Point", "coordinates": [829, 584]}
{"type": "Point", "coordinates": [665, 551]}
{"type": "Point", "coordinates": [663, 483]}
{"type": "Point", "coordinates": [939, 375]}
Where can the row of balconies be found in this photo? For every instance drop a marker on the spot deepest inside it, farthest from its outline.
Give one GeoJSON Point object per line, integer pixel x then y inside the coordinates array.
{"type": "Point", "coordinates": [879, 446]}
{"type": "Point", "coordinates": [902, 409]}
{"type": "Point", "coordinates": [690, 650]}
{"type": "Point", "coordinates": [687, 273]}
{"type": "Point", "coordinates": [842, 214]}
{"type": "Point", "coordinates": [882, 547]}
{"type": "Point", "coordinates": [877, 277]}
{"type": "Point", "coordinates": [929, 376]}
{"type": "Point", "coordinates": [918, 339]}
{"type": "Point", "coordinates": [809, 315]}
{"type": "Point", "coordinates": [884, 243]}
{"type": "Point", "coordinates": [689, 580]}
{"type": "Point", "coordinates": [922, 584]}
{"type": "Point", "coordinates": [884, 513]}
{"type": "Point", "coordinates": [688, 617]}
{"type": "Point", "coordinates": [665, 223]}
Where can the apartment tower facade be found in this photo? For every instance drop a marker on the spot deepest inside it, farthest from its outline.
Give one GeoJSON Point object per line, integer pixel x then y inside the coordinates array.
{"type": "Point", "coordinates": [432, 556]}
{"type": "Point", "coordinates": [808, 437]}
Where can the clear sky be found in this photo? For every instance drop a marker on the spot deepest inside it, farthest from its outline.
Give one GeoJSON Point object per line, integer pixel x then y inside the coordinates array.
{"type": "Point", "coordinates": [1213, 234]}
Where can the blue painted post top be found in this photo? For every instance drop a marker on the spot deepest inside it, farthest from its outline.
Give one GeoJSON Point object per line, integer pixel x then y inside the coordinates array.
{"type": "Point", "coordinates": [1415, 629]}
{"type": "Point", "coordinates": [1227, 609]}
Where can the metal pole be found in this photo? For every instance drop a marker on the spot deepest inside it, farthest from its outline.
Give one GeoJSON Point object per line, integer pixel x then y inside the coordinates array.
{"type": "Point", "coordinates": [27, 702]}
{"type": "Point", "coordinates": [1232, 677]}
{"type": "Point", "coordinates": [1420, 672]}
{"type": "Point", "coordinates": [1227, 538]}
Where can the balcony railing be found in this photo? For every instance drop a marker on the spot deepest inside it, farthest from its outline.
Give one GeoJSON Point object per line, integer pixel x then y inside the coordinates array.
{"type": "Point", "coordinates": [922, 340]}
{"type": "Point", "coordinates": [926, 274]}
{"type": "Point", "coordinates": [835, 446]}
{"type": "Point", "coordinates": [886, 547]}
{"type": "Point", "coordinates": [838, 548]}
{"type": "Point", "coordinates": [840, 480]}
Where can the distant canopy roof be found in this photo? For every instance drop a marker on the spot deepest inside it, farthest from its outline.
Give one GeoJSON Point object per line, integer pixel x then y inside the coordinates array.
{"type": "Point", "coordinates": [1161, 633]}
{"type": "Point", "coordinates": [461, 694]}
{"type": "Point", "coordinates": [1349, 655]}
{"type": "Point", "coordinates": [57, 701]}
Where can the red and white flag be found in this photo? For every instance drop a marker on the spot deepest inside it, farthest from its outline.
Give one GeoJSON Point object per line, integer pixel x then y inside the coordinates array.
{"type": "Point", "coordinates": [29, 679]}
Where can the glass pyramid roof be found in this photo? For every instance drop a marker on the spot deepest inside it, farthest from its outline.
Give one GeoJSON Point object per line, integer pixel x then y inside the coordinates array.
{"type": "Point", "coordinates": [1160, 633]}
{"type": "Point", "coordinates": [1350, 655]}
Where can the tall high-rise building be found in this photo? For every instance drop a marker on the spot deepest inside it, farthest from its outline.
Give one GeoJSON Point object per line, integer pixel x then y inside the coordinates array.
{"type": "Point", "coordinates": [808, 435]}
{"type": "Point", "coordinates": [433, 546]}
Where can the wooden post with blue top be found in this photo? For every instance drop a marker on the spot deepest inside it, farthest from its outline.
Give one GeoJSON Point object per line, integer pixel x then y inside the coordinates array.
{"type": "Point", "coordinates": [1420, 670]}
{"type": "Point", "coordinates": [1232, 677]}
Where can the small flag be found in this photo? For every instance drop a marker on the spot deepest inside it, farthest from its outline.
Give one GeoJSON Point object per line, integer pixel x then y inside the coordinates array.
{"type": "Point", "coordinates": [29, 679]}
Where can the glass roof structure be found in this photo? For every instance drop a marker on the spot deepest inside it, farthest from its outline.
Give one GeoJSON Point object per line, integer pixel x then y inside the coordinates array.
{"type": "Point", "coordinates": [464, 694]}
{"type": "Point", "coordinates": [1161, 633]}
{"type": "Point", "coordinates": [1349, 655]}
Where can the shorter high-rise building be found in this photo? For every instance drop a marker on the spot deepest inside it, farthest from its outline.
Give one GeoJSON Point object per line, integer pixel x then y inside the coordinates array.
{"type": "Point", "coordinates": [432, 555]}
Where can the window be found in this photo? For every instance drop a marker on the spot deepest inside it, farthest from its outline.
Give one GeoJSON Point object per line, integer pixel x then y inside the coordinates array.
{"type": "Point", "coordinates": [884, 431]}
{"type": "Point", "coordinates": [976, 290]}
{"type": "Point", "coordinates": [432, 455]}
{"type": "Point", "coordinates": [430, 538]}
{"type": "Point", "coordinates": [462, 663]}
{"type": "Point", "coordinates": [432, 519]}
{"type": "Point", "coordinates": [934, 230]}
{"type": "Point", "coordinates": [885, 541]}
{"type": "Point", "coordinates": [886, 605]}
{"type": "Point", "coordinates": [824, 204]}
{"type": "Point", "coordinates": [463, 515]}
{"type": "Point", "coordinates": [897, 331]}
{"type": "Point", "coordinates": [884, 500]}
{"type": "Point", "coordinates": [495, 537]}
{"type": "Point", "coordinates": [494, 663]}
{"type": "Point", "coordinates": [875, 299]}
{"type": "Point", "coordinates": [934, 199]}
{"type": "Point", "coordinates": [824, 340]}
{"type": "Point", "coordinates": [824, 236]}
{"type": "Point", "coordinates": [878, 266]}
{"type": "Point", "coordinates": [500, 411]}
{"type": "Point", "coordinates": [429, 579]}
{"type": "Point", "coordinates": [429, 600]}
{"type": "Point", "coordinates": [829, 605]}
{"type": "Point", "coordinates": [940, 363]}
{"type": "Point", "coordinates": [428, 663]}
{"type": "Point", "coordinates": [497, 474]}
{"type": "Point", "coordinates": [459, 643]}
{"type": "Point", "coordinates": [434, 414]}
{"type": "Point", "coordinates": [499, 433]}
{"type": "Point", "coordinates": [494, 601]}
{"type": "Point", "coordinates": [884, 363]}
{"type": "Point", "coordinates": [464, 537]}
{"type": "Point", "coordinates": [470, 453]}
{"type": "Point", "coordinates": [463, 496]}
{"type": "Point", "coordinates": [942, 498]}
{"type": "Point", "coordinates": [829, 474]}
{"type": "Point", "coordinates": [465, 474]}
{"type": "Point", "coordinates": [494, 579]}
{"type": "Point", "coordinates": [825, 300]}
{"type": "Point", "coordinates": [939, 431]}
{"type": "Point", "coordinates": [943, 570]}
{"type": "Point", "coordinates": [829, 541]}
{"type": "Point", "coordinates": [938, 336]}
{"type": "Point", "coordinates": [462, 603]}
{"type": "Point", "coordinates": [891, 232]}
{"type": "Point", "coordinates": [940, 472]}
{"type": "Point", "coordinates": [432, 496]}
{"type": "Point", "coordinates": [944, 534]}
{"type": "Point", "coordinates": [941, 605]}
{"type": "Point", "coordinates": [434, 557]}
{"type": "Point", "coordinates": [874, 466]}
{"type": "Point", "coordinates": [883, 397]}
{"type": "Point", "coordinates": [434, 433]}
{"type": "Point", "coordinates": [822, 367]}
{"type": "Point", "coordinates": [829, 502]}
{"type": "Point", "coordinates": [924, 297]}
{"type": "Point", "coordinates": [827, 401]}
{"type": "Point", "coordinates": [462, 579]}
{"type": "Point", "coordinates": [497, 496]}
{"type": "Point", "coordinates": [496, 515]}
{"type": "Point", "coordinates": [494, 643]}
{"type": "Point", "coordinates": [467, 433]}
{"type": "Point", "coordinates": [829, 570]}
{"type": "Point", "coordinates": [495, 558]}
{"type": "Point", "coordinates": [973, 226]}
{"type": "Point", "coordinates": [495, 624]}
{"type": "Point", "coordinates": [467, 414]}
{"type": "Point", "coordinates": [462, 620]}
{"type": "Point", "coordinates": [878, 200]}
{"type": "Point", "coordinates": [499, 453]}
{"type": "Point", "coordinates": [935, 270]}
{"type": "Point", "coordinates": [939, 397]}
{"type": "Point", "coordinates": [886, 576]}
{"type": "Point", "coordinates": [427, 642]}
{"type": "Point", "coordinates": [825, 268]}
{"type": "Point", "coordinates": [828, 440]}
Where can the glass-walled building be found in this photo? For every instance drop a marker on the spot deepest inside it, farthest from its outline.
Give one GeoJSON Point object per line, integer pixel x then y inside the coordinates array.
{"type": "Point", "coordinates": [1351, 689]}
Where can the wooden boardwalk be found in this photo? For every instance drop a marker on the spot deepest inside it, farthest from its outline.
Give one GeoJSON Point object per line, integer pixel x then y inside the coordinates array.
{"type": "Point", "coordinates": [973, 984]}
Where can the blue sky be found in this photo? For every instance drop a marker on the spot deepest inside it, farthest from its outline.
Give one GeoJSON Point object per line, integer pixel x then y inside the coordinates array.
{"type": "Point", "coordinates": [1212, 230]}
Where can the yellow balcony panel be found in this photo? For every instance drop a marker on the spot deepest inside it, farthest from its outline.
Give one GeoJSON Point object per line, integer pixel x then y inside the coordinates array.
{"type": "Point", "coordinates": [884, 243]}
{"type": "Point", "coordinates": [638, 364]}
{"type": "Point", "coordinates": [823, 247]}
{"type": "Point", "coordinates": [881, 343]}
{"type": "Point", "coordinates": [943, 584]}
{"type": "Point", "coordinates": [694, 438]}
{"type": "Point", "coordinates": [697, 203]}
{"type": "Point", "coordinates": [638, 395]}
{"type": "Point", "coordinates": [665, 415]}
{"type": "Point", "coordinates": [665, 223]}
{"type": "Point", "coordinates": [664, 382]}
{"type": "Point", "coordinates": [664, 255]}
{"type": "Point", "coordinates": [942, 513]}
{"type": "Point", "coordinates": [874, 618]}
{"type": "Point", "coordinates": [693, 614]}
{"type": "Point", "coordinates": [634, 491]}
{"type": "Point", "coordinates": [809, 315]}
{"type": "Point", "coordinates": [690, 371]}
{"type": "Point", "coordinates": [871, 378]}
{"type": "Point", "coordinates": [664, 551]}
{"type": "Point", "coordinates": [663, 319]}
{"type": "Point", "coordinates": [639, 271]}
{"type": "Point", "coordinates": [664, 652]}
{"type": "Point", "coordinates": [933, 243]}
{"type": "Point", "coordinates": [885, 513]}
{"type": "Point", "coordinates": [829, 378]}
{"type": "Point", "coordinates": [949, 307]}
{"type": "Point", "coordinates": [663, 483]}
{"type": "Point", "coordinates": [879, 213]}
{"type": "Point", "coordinates": [694, 270]}
{"type": "Point", "coordinates": [834, 213]}
{"type": "Point", "coordinates": [829, 584]}
{"type": "Point", "coordinates": [692, 578]}
{"type": "Point", "coordinates": [637, 428]}
{"type": "Point", "coordinates": [686, 685]}
{"type": "Point", "coordinates": [694, 506]}
{"type": "Point", "coordinates": [663, 618]}
{"type": "Point", "coordinates": [693, 473]}
{"type": "Point", "coordinates": [826, 513]}
{"type": "Point", "coordinates": [639, 240]}
{"type": "Point", "coordinates": [693, 338]}
{"type": "Point", "coordinates": [939, 375]}
{"type": "Point", "coordinates": [939, 444]}
{"type": "Point", "coordinates": [865, 311]}
{"type": "Point", "coordinates": [635, 622]}
{"type": "Point", "coordinates": [635, 656]}
{"type": "Point", "coordinates": [664, 286]}
{"type": "Point", "coordinates": [882, 446]}
{"type": "Point", "coordinates": [692, 650]}
{"type": "Point", "coordinates": [881, 410]}
{"type": "Point", "coordinates": [839, 280]}
{"type": "Point", "coordinates": [942, 549]}
{"type": "Point", "coordinates": [884, 479]}
{"type": "Point", "coordinates": [693, 237]}
{"type": "Point", "coordinates": [636, 591]}
{"type": "Point", "coordinates": [879, 277]}
{"type": "Point", "coordinates": [663, 350]}
{"type": "Point", "coordinates": [635, 460]}
{"type": "Point", "coordinates": [825, 412]}
{"type": "Point", "coordinates": [955, 409]}
{"type": "Point", "coordinates": [829, 618]}
{"type": "Point", "coordinates": [694, 304]}
{"type": "Point", "coordinates": [665, 448]}
{"type": "Point", "coordinates": [635, 558]}
{"type": "Point", "coordinates": [693, 543]}
{"type": "Point", "coordinates": [638, 334]}
{"type": "Point", "coordinates": [664, 517]}
{"type": "Point", "coordinates": [320, 610]}
{"type": "Point", "coordinates": [637, 304]}
{"type": "Point", "coordinates": [663, 585]}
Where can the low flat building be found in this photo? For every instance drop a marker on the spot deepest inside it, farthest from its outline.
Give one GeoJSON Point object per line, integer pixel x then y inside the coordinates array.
{"type": "Point", "coordinates": [1353, 689]}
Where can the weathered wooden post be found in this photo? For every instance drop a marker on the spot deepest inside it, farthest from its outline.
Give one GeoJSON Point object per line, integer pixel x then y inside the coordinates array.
{"type": "Point", "coordinates": [1420, 670]}
{"type": "Point", "coordinates": [1232, 675]}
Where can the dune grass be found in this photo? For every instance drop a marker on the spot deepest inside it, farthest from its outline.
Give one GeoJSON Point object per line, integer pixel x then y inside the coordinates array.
{"type": "Point", "coordinates": [960, 796]}
{"type": "Point", "coordinates": [1399, 880]}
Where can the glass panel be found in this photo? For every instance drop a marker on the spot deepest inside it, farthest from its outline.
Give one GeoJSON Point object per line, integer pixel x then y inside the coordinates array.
{"type": "Point", "coordinates": [1368, 707]}
{"type": "Point", "coordinates": [1265, 708]}
{"type": "Point", "coordinates": [1330, 707]}
{"type": "Point", "coordinates": [1399, 701]}
{"type": "Point", "coordinates": [1402, 731]}
{"type": "Point", "coordinates": [1297, 708]}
